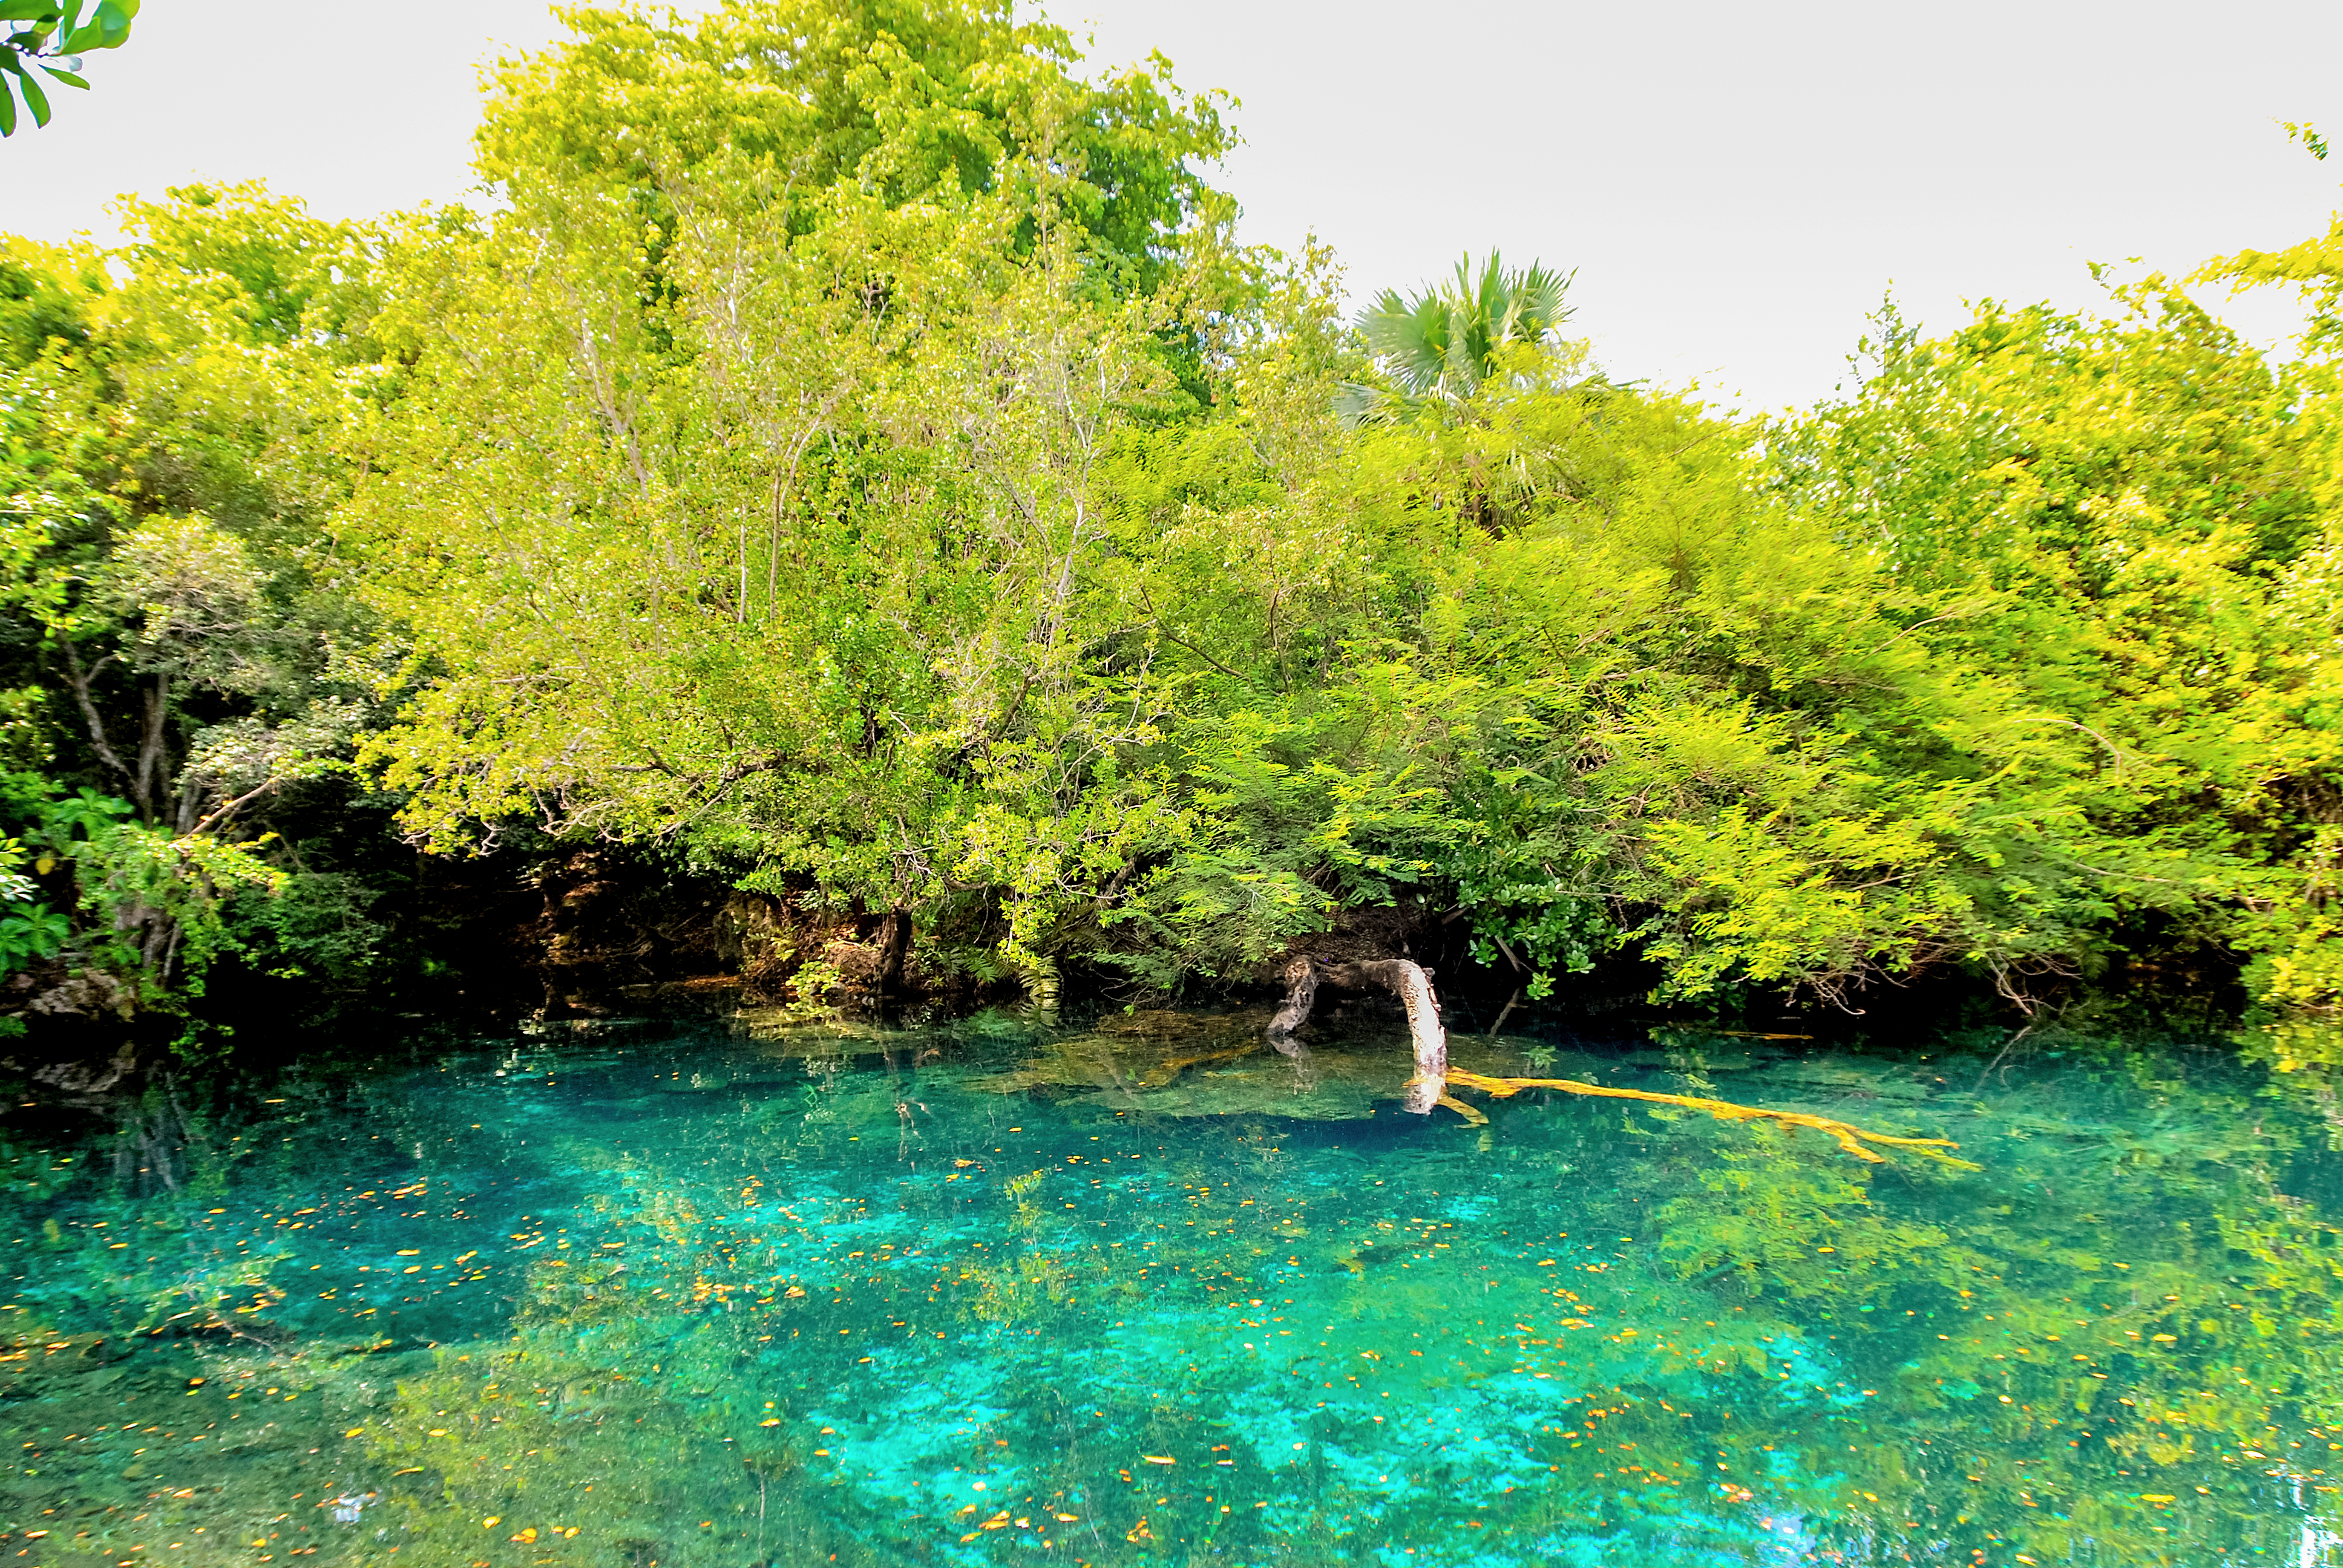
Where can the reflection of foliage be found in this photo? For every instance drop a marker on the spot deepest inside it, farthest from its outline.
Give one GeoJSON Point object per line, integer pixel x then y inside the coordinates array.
{"type": "Point", "coordinates": [27, 1173]}
{"type": "Point", "coordinates": [594, 1428]}
{"type": "Point", "coordinates": [2123, 1307]}
{"type": "Point", "coordinates": [1769, 1212]}
{"type": "Point", "coordinates": [1014, 1288]}
{"type": "Point", "coordinates": [2306, 1054]}
{"type": "Point", "coordinates": [2000, 1324]}
{"type": "Point", "coordinates": [223, 1294]}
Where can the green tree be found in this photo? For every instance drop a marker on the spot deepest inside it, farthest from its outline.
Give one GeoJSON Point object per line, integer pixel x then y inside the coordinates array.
{"type": "Point", "coordinates": [170, 652]}
{"type": "Point", "coordinates": [742, 490]}
{"type": "Point", "coordinates": [854, 458]}
{"type": "Point", "coordinates": [1444, 340]}
{"type": "Point", "coordinates": [2121, 526]}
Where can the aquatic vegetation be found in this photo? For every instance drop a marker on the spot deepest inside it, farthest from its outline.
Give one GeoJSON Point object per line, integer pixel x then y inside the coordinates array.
{"type": "Point", "coordinates": [678, 1294]}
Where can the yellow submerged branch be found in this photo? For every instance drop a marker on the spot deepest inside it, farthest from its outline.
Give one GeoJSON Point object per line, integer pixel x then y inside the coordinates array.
{"type": "Point", "coordinates": [1855, 1140]}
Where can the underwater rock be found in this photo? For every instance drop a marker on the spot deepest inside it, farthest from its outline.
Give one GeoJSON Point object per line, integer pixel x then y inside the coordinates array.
{"type": "Point", "coordinates": [1884, 1083]}
{"type": "Point", "coordinates": [789, 1035]}
{"type": "Point", "coordinates": [1681, 1057]}
{"type": "Point", "coordinates": [1265, 1093]}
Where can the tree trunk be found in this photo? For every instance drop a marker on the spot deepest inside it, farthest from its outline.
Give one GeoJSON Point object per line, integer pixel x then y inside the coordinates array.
{"type": "Point", "coordinates": [79, 679]}
{"type": "Point", "coordinates": [894, 947]}
{"type": "Point", "coordinates": [147, 786]}
{"type": "Point", "coordinates": [1404, 979]}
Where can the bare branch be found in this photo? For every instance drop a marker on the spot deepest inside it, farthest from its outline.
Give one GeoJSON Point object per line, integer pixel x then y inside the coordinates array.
{"type": "Point", "coordinates": [233, 807]}
{"type": "Point", "coordinates": [79, 680]}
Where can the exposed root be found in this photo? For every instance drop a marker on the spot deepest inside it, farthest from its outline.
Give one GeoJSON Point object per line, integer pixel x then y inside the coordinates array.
{"type": "Point", "coordinates": [1474, 1116]}
{"type": "Point", "coordinates": [1850, 1137]}
{"type": "Point", "coordinates": [1301, 996]}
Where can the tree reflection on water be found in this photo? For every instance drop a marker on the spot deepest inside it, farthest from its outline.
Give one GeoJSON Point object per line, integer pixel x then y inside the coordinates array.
{"type": "Point", "coordinates": [699, 1300]}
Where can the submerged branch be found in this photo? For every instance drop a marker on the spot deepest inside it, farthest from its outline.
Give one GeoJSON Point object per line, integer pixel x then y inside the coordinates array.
{"type": "Point", "coordinates": [1850, 1137]}
{"type": "Point", "coordinates": [1434, 1078]}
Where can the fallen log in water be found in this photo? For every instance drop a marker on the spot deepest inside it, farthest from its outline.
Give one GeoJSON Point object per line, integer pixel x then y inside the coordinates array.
{"type": "Point", "coordinates": [1429, 1085]}
{"type": "Point", "coordinates": [1850, 1137]}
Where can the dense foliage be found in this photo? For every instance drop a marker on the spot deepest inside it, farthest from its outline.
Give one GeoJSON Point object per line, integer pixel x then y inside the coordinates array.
{"type": "Point", "coordinates": [853, 459]}
{"type": "Point", "coordinates": [176, 616]}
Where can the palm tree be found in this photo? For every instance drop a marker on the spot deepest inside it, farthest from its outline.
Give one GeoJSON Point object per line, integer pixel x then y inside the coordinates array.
{"type": "Point", "coordinates": [1444, 341]}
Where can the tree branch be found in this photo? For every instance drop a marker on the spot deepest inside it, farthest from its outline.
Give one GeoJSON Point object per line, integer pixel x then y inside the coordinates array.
{"type": "Point", "coordinates": [79, 680]}
{"type": "Point", "coordinates": [233, 807]}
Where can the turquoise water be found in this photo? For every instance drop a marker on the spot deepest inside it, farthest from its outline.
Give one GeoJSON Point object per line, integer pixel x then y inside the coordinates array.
{"type": "Point", "coordinates": [765, 1293]}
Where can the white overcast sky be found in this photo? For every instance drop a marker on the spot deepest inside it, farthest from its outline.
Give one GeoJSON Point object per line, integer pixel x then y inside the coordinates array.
{"type": "Point", "coordinates": [1737, 185]}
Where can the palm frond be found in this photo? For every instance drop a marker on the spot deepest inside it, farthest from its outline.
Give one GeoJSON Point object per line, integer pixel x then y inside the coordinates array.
{"type": "Point", "coordinates": [1442, 341]}
{"type": "Point", "coordinates": [1537, 302]}
{"type": "Point", "coordinates": [1357, 404]}
{"type": "Point", "coordinates": [1409, 336]}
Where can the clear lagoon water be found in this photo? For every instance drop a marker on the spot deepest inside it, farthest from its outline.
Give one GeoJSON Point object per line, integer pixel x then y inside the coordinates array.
{"type": "Point", "coordinates": [765, 1293]}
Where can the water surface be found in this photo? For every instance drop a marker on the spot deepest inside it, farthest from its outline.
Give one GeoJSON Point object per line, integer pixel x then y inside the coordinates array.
{"type": "Point", "coordinates": [692, 1293]}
